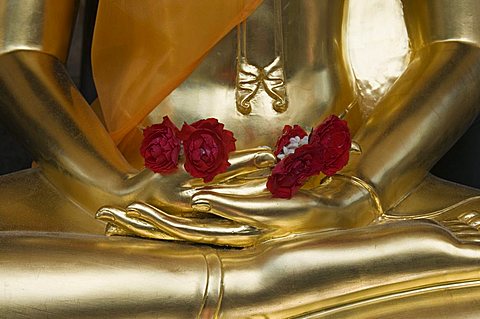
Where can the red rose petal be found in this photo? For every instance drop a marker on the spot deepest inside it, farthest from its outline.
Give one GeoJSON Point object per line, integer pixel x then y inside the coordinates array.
{"type": "Point", "coordinates": [161, 147]}
{"type": "Point", "coordinates": [207, 145]}
{"type": "Point", "coordinates": [333, 138]}
{"type": "Point", "coordinates": [287, 133]}
{"type": "Point", "coordinates": [291, 173]}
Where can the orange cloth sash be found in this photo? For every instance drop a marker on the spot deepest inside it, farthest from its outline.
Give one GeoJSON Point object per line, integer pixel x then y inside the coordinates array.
{"type": "Point", "coordinates": [142, 50]}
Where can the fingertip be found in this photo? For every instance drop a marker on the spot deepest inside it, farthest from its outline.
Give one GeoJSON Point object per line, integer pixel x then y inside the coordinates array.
{"type": "Point", "coordinates": [105, 214]}
{"type": "Point", "coordinates": [201, 207]}
{"type": "Point", "coordinates": [135, 205]}
{"type": "Point", "coordinates": [201, 202]}
{"type": "Point", "coordinates": [264, 159]}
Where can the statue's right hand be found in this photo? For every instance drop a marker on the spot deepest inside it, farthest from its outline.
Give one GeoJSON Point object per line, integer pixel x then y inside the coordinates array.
{"type": "Point", "coordinates": [173, 194]}
{"type": "Point", "coordinates": [178, 188]}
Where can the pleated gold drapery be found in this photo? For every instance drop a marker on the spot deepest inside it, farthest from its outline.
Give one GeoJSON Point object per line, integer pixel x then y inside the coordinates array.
{"type": "Point", "coordinates": [142, 50]}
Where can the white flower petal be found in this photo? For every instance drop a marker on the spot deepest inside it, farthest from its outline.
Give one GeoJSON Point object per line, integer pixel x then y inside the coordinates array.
{"type": "Point", "coordinates": [304, 141]}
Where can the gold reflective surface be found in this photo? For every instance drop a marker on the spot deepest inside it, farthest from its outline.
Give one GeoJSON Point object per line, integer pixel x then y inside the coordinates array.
{"type": "Point", "coordinates": [381, 239]}
{"type": "Point", "coordinates": [310, 70]}
{"type": "Point", "coordinates": [378, 55]}
{"type": "Point", "coordinates": [43, 26]}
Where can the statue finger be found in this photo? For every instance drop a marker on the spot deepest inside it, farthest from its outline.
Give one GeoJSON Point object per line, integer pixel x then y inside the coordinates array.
{"type": "Point", "coordinates": [259, 210]}
{"type": "Point", "coordinates": [120, 224]}
{"type": "Point", "coordinates": [471, 235]}
{"type": "Point", "coordinates": [260, 157]}
{"type": "Point", "coordinates": [213, 230]}
{"type": "Point", "coordinates": [255, 162]}
{"type": "Point", "coordinates": [238, 187]}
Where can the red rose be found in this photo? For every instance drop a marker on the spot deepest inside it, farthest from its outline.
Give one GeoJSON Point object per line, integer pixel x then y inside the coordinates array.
{"type": "Point", "coordinates": [293, 171]}
{"type": "Point", "coordinates": [332, 138]}
{"type": "Point", "coordinates": [161, 146]}
{"type": "Point", "coordinates": [206, 145]}
{"type": "Point", "coordinates": [287, 134]}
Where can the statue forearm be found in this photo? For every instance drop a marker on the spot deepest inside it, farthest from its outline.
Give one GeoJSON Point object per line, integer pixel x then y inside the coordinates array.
{"type": "Point", "coordinates": [429, 106]}
{"type": "Point", "coordinates": [45, 109]}
{"type": "Point", "coordinates": [431, 21]}
{"type": "Point", "coordinates": [37, 25]}
{"type": "Point", "coordinates": [419, 119]}
{"type": "Point", "coordinates": [48, 114]}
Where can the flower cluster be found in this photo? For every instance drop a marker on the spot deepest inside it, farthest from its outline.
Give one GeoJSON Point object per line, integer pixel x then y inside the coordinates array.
{"type": "Point", "coordinates": [326, 151]}
{"type": "Point", "coordinates": [291, 139]}
{"type": "Point", "coordinates": [206, 146]}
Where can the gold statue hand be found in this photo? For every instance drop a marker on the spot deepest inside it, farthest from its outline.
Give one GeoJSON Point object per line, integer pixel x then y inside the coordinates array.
{"type": "Point", "coordinates": [241, 212]}
{"type": "Point", "coordinates": [171, 195]}
{"type": "Point", "coordinates": [178, 188]}
{"type": "Point", "coordinates": [144, 220]}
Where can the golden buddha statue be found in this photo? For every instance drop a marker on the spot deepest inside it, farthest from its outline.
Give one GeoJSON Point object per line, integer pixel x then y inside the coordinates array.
{"type": "Point", "coordinates": [380, 239]}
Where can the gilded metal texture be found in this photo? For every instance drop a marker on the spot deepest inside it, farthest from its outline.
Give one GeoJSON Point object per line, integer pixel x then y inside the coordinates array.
{"type": "Point", "coordinates": [395, 151]}
{"type": "Point", "coordinates": [440, 20]}
{"type": "Point", "coordinates": [375, 199]}
{"type": "Point", "coordinates": [40, 25]}
{"type": "Point", "coordinates": [397, 268]}
{"type": "Point", "coordinates": [251, 79]}
{"type": "Point", "coordinates": [314, 256]}
{"type": "Point", "coordinates": [315, 77]}
{"type": "Point", "coordinates": [378, 54]}
{"type": "Point", "coordinates": [57, 125]}
{"type": "Point", "coordinates": [79, 276]}
{"type": "Point", "coordinates": [29, 202]}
